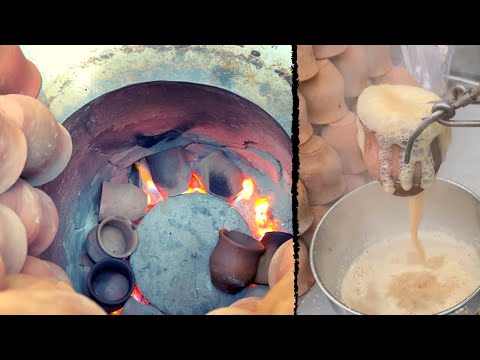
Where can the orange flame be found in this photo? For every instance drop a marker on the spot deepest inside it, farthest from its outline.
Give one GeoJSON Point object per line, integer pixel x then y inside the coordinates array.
{"type": "Point", "coordinates": [262, 217]}
{"type": "Point", "coordinates": [245, 194]}
{"type": "Point", "coordinates": [154, 196]}
{"type": "Point", "coordinates": [195, 185]}
{"type": "Point", "coordinates": [116, 312]}
{"type": "Point", "coordinates": [138, 295]}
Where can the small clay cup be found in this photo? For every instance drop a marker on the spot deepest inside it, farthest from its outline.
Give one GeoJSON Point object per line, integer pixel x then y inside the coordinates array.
{"type": "Point", "coordinates": [327, 51]}
{"type": "Point", "coordinates": [37, 212]}
{"type": "Point", "coordinates": [396, 76]}
{"type": "Point", "coordinates": [324, 94]}
{"type": "Point", "coordinates": [233, 262]}
{"type": "Point", "coordinates": [18, 75]}
{"type": "Point", "coordinates": [117, 237]}
{"type": "Point", "coordinates": [353, 65]}
{"type": "Point", "coordinates": [304, 215]}
{"type": "Point", "coordinates": [272, 241]}
{"type": "Point", "coordinates": [379, 60]}
{"type": "Point", "coordinates": [342, 137]}
{"type": "Point", "coordinates": [13, 150]}
{"type": "Point", "coordinates": [49, 145]}
{"type": "Point", "coordinates": [305, 127]}
{"type": "Point", "coordinates": [13, 240]}
{"type": "Point", "coordinates": [307, 66]}
{"type": "Point", "coordinates": [124, 200]}
{"type": "Point", "coordinates": [94, 250]}
{"type": "Point", "coordinates": [321, 171]}
{"type": "Point", "coordinates": [110, 283]}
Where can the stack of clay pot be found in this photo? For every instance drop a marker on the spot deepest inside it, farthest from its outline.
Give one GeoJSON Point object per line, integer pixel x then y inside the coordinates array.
{"type": "Point", "coordinates": [331, 162]}
{"type": "Point", "coordinates": [34, 149]}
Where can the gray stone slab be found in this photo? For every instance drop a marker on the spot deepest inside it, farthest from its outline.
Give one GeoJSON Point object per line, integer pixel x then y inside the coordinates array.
{"type": "Point", "coordinates": [171, 263]}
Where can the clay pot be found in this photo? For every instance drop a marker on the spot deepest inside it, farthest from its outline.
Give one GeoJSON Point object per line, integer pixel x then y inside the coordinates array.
{"type": "Point", "coordinates": [36, 211]}
{"type": "Point", "coordinates": [18, 75]}
{"type": "Point", "coordinates": [318, 213]}
{"type": "Point", "coordinates": [49, 146]}
{"type": "Point", "coordinates": [305, 128]}
{"type": "Point", "coordinates": [31, 295]}
{"type": "Point", "coordinates": [327, 51]}
{"type": "Point", "coordinates": [306, 65]}
{"type": "Point", "coordinates": [324, 94]}
{"type": "Point", "coordinates": [230, 311]}
{"type": "Point", "coordinates": [342, 137]}
{"type": "Point", "coordinates": [249, 304]}
{"type": "Point", "coordinates": [43, 268]}
{"type": "Point", "coordinates": [13, 240]}
{"type": "Point", "coordinates": [94, 250]}
{"type": "Point", "coordinates": [272, 241]}
{"type": "Point", "coordinates": [304, 215]}
{"type": "Point", "coordinates": [321, 171]}
{"type": "Point", "coordinates": [280, 300]}
{"type": "Point", "coordinates": [283, 263]}
{"type": "Point", "coordinates": [124, 200]}
{"type": "Point", "coordinates": [233, 262]}
{"type": "Point", "coordinates": [111, 282]}
{"type": "Point", "coordinates": [3, 275]}
{"type": "Point", "coordinates": [379, 60]}
{"type": "Point", "coordinates": [353, 65]}
{"type": "Point", "coordinates": [114, 237]}
{"type": "Point", "coordinates": [13, 152]}
{"type": "Point", "coordinates": [396, 76]}
{"type": "Point", "coordinates": [371, 155]}
{"type": "Point", "coordinates": [48, 225]}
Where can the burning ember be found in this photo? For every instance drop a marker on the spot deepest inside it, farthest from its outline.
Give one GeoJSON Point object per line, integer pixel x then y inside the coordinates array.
{"type": "Point", "coordinates": [137, 295]}
{"type": "Point", "coordinates": [260, 221]}
{"type": "Point", "coordinates": [154, 195]}
{"type": "Point", "coordinates": [195, 185]}
{"type": "Point", "coordinates": [245, 194]}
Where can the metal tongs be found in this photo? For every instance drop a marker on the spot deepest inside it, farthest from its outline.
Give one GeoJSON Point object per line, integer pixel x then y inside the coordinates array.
{"type": "Point", "coordinates": [443, 111]}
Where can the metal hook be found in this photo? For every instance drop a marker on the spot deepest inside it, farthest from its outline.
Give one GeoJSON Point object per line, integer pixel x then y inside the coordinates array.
{"type": "Point", "coordinates": [444, 111]}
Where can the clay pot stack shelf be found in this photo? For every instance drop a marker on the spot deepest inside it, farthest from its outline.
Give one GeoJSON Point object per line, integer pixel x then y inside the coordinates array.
{"type": "Point", "coordinates": [331, 162]}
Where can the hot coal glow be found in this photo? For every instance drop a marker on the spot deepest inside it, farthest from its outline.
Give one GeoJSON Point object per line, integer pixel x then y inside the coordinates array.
{"type": "Point", "coordinates": [195, 185]}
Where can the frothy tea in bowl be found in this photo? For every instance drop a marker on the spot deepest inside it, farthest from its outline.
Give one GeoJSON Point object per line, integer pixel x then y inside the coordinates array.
{"type": "Point", "coordinates": [413, 273]}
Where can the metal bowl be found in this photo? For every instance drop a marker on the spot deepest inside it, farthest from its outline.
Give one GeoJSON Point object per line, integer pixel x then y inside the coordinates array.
{"type": "Point", "coordinates": [368, 215]}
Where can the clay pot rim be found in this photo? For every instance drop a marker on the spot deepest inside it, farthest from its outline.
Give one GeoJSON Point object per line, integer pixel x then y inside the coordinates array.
{"type": "Point", "coordinates": [111, 264]}
{"type": "Point", "coordinates": [127, 223]}
{"type": "Point", "coordinates": [257, 246]}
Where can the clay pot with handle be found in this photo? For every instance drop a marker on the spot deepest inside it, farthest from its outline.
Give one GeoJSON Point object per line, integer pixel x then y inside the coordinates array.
{"type": "Point", "coordinates": [49, 145]}
{"type": "Point", "coordinates": [233, 262]}
{"type": "Point", "coordinates": [18, 75]}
